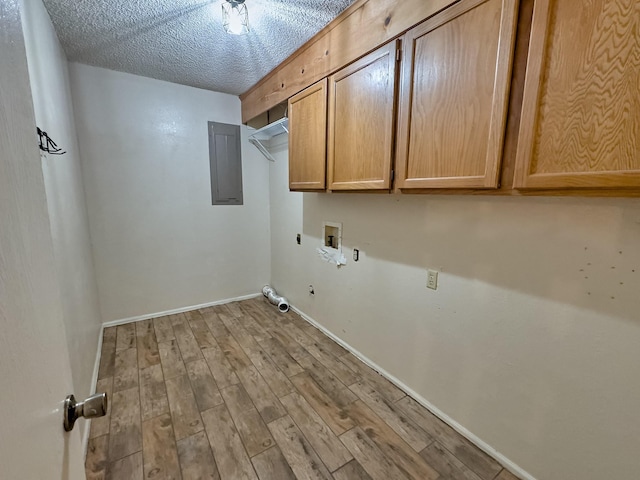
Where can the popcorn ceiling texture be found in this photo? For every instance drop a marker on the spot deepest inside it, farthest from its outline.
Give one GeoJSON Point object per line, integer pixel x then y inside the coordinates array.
{"type": "Point", "coordinates": [182, 41]}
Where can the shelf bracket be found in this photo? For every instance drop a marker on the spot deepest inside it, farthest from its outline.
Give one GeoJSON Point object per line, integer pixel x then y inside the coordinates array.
{"type": "Point", "coordinates": [262, 149]}
{"type": "Point", "coordinates": [266, 133]}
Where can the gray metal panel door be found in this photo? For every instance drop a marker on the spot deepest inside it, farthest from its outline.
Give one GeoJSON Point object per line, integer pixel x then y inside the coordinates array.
{"type": "Point", "coordinates": [226, 164]}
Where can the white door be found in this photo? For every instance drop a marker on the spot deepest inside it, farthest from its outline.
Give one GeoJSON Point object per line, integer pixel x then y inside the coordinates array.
{"type": "Point", "coordinates": [34, 363]}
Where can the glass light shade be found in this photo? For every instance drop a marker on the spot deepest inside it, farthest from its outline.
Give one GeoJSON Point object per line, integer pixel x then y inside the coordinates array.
{"type": "Point", "coordinates": [235, 17]}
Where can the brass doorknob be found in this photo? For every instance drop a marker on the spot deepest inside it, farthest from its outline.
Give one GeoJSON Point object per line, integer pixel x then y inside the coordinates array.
{"type": "Point", "coordinates": [92, 407]}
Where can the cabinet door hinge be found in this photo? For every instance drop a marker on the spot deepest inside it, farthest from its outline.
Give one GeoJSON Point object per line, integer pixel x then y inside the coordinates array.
{"type": "Point", "coordinates": [398, 55]}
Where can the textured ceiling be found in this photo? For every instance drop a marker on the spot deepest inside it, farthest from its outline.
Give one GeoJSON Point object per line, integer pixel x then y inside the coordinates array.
{"type": "Point", "coordinates": [182, 41]}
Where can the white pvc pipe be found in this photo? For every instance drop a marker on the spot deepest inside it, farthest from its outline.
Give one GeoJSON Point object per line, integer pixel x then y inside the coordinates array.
{"type": "Point", "coordinates": [273, 297]}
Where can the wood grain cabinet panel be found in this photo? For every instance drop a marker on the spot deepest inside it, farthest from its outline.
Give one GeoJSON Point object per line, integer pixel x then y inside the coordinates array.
{"type": "Point", "coordinates": [308, 138]}
{"type": "Point", "coordinates": [580, 122]}
{"type": "Point", "coordinates": [454, 94]}
{"type": "Point", "coordinates": [361, 131]}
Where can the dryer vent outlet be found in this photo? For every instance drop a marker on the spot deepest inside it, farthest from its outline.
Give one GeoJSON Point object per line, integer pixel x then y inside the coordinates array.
{"type": "Point", "coordinates": [273, 297]}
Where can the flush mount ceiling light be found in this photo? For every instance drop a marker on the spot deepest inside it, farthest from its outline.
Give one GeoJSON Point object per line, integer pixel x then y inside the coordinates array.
{"type": "Point", "coordinates": [235, 17]}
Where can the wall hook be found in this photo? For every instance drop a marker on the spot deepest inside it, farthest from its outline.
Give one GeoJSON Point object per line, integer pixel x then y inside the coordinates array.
{"type": "Point", "coordinates": [47, 145]}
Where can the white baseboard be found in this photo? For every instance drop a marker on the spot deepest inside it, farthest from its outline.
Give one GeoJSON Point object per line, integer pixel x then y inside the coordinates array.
{"type": "Point", "coordinates": [478, 442]}
{"type": "Point", "coordinates": [147, 316]}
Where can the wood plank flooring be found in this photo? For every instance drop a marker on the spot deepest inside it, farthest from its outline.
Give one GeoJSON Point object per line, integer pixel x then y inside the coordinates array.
{"type": "Point", "coordinates": [241, 391]}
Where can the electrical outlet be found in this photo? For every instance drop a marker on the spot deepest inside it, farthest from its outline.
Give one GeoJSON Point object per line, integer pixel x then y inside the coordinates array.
{"type": "Point", "coordinates": [432, 279]}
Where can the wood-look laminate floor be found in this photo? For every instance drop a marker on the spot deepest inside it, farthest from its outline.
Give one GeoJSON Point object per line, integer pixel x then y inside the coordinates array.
{"type": "Point", "coordinates": [241, 391]}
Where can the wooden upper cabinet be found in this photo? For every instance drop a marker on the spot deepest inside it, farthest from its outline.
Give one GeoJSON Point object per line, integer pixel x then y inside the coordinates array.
{"type": "Point", "coordinates": [308, 138]}
{"type": "Point", "coordinates": [362, 100]}
{"type": "Point", "coordinates": [454, 95]}
{"type": "Point", "coordinates": [580, 124]}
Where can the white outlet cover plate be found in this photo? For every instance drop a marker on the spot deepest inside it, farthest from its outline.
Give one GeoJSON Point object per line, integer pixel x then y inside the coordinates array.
{"type": "Point", "coordinates": [432, 279]}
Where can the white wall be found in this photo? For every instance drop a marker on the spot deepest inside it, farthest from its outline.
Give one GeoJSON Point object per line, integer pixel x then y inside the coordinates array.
{"type": "Point", "coordinates": [65, 195]}
{"type": "Point", "coordinates": [532, 340]}
{"type": "Point", "coordinates": [34, 360]}
{"type": "Point", "coordinates": [158, 242]}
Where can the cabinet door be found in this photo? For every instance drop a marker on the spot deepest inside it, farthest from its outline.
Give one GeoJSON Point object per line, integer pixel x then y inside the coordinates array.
{"type": "Point", "coordinates": [580, 124]}
{"type": "Point", "coordinates": [308, 138]}
{"type": "Point", "coordinates": [454, 93]}
{"type": "Point", "coordinates": [362, 101]}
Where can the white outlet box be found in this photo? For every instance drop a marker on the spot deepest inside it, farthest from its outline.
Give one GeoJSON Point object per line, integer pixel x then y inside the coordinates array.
{"type": "Point", "coordinates": [432, 279]}
{"type": "Point", "coordinates": [332, 234]}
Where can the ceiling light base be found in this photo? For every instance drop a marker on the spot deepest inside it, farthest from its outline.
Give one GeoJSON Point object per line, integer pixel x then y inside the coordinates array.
{"type": "Point", "coordinates": [235, 17]}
